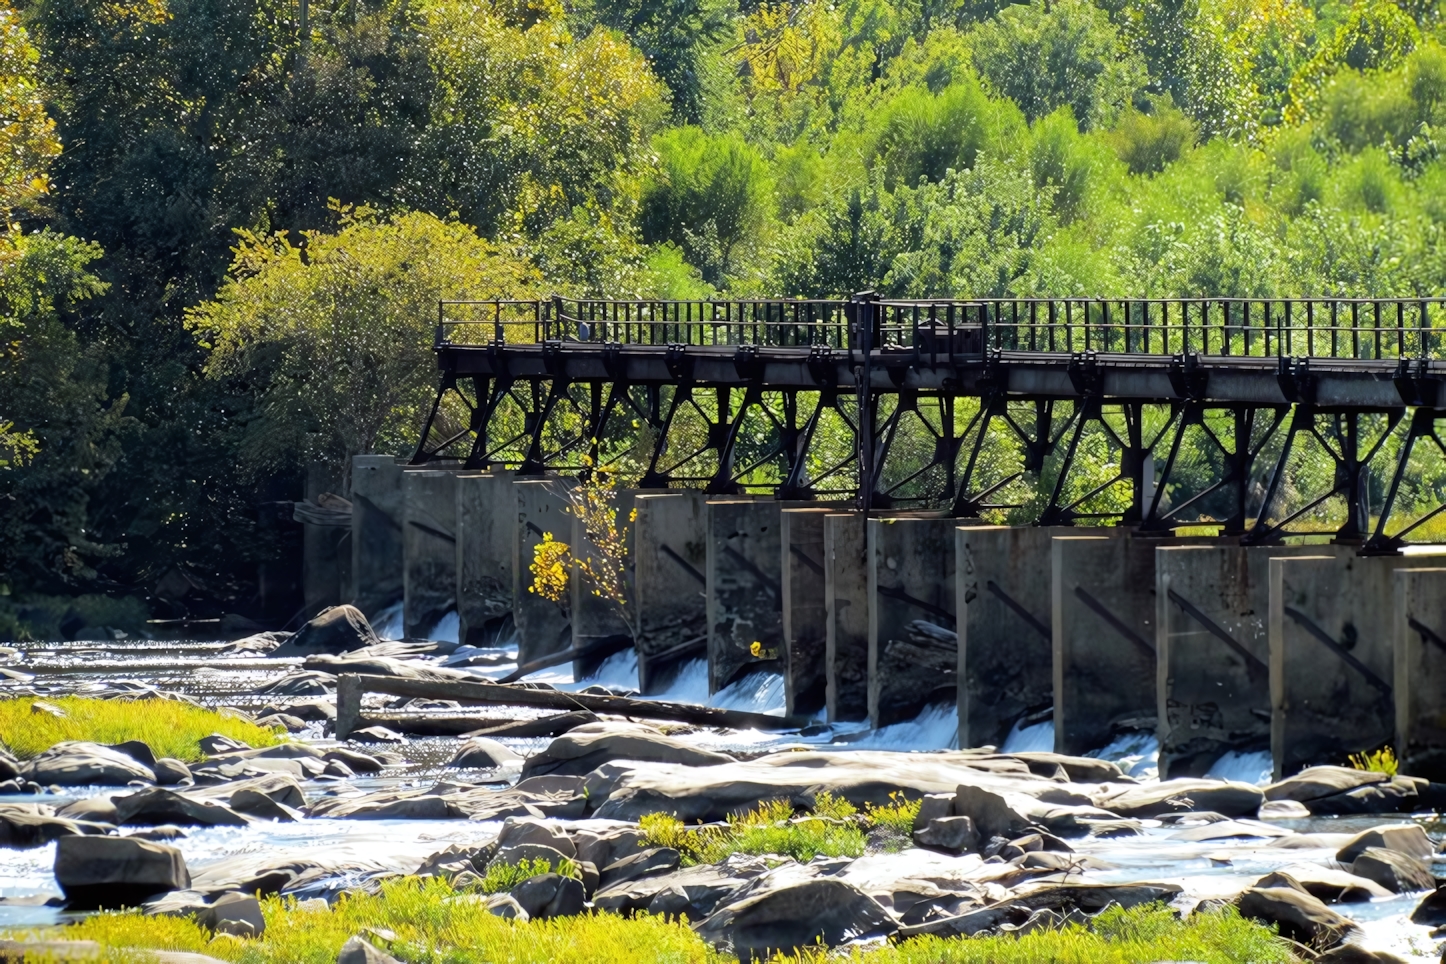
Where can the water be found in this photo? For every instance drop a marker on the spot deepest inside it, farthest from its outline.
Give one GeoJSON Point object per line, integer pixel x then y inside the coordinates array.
{"type": "Point", "coordinates": [1254, 768]}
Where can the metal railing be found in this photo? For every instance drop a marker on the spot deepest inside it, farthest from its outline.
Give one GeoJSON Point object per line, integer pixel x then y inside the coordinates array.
{"type": "Point", "coordinates": [1334, 328]}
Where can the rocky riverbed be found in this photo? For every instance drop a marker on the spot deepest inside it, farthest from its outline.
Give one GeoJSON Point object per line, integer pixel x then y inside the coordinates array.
{"type": "Point", "coordinates": [1001, 841]}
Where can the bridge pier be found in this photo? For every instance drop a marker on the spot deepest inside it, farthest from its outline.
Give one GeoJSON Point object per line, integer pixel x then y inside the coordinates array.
{"type": "Point", "coordinates": [1332, 655]}
{"type": "Point", "coordinates": [486, 516]}
{"type": "Point", "coordinates": [1420, 672]}
{"type": "Point", "coordinates": [376, 532]}
{"type": "Point", "coordinates": [1213, 652]}
{"type": "Point", "coordinates": [744, 587]}
{"type": "Point", "coordinates": [429, 549]}
{"type": "Point", "coordinates": [1103, 630]}
{"type": "Point", "coordinates": [846, 617]}
{"type": "Point", "coordinates": [670, 559]}
{"type": "Point", "coordinates": [542, 626]}
{"type": "Point", "coordinates": [805, 610]}
{"type": "Point", "coordinates": [913, 651]}
{"type": "Point", "coordinates": [1003, 602]}
{"type": "Point", "coordinates": [598, 628]}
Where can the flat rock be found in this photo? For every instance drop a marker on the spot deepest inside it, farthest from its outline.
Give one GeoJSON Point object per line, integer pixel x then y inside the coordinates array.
{"type": "Point", "coordinates": [1079, 769]}
{"type": "Point", "coordinates": [23, 826]}
{"type": "Point", "coordinates": [390, 804]}
{"type": "Point", "coordinates": [1315, 782]}
{"type": "Point", "coordinates": [1091, 898]}
{"type": "Point", "coordinates": [79, 764]}
{"type": "Point", "coordinates": [1176, 796]}
{"type": "Point", "coordinates": [700, 888]}
{"type": "Point", "coordinates": [1325, 883]}
{"type": "Point", "coordinates": [644, 863]}
{"type": "Point", "coordinates": [158, 805]}
{"type": "Point", "coordinates": [525, 830]}
{"type": "Point", "coordinates": [793, 915]}
{"type": "Point", "coordinates": [1406, 838]}
{"type": "Point", "coordinates": [1010, 814]}
{"type": "Point", "coordinates": [1297, 914]}
{"type": "Point", "coordinates": [585, 748]}
{"type": "Point", "coordinates": [108, 872]}
{"type": "Point", "coordinates": [1397, 872]}
{"type": "Point", "coordinates": [340, 629]}
{"type": "Point", "coordinates": [94, 809]}
{"type": "Point", "coordinates": [236, 914]}
{"type": "Point", "coordinates": [1230, 829]}
{"type": "Point", "coordinates": [171, 772]}
{"type": "Point", "coordinates": [951, 834]}
{"type": "Point", "coordinates": [480, 753]}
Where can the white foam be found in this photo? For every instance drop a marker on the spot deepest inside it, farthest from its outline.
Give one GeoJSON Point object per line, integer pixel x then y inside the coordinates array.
{"type": "Point", "coordinates": [387, 624]}
{"type": "Point", "coordinates": [935, 728]}
{"type": "Point", "coordinates": [446, 629]}
{"type": "Point", "coordinates": [1038, 738]}
{"type": "Point", "coordinates": [1254, 768]}
{"type": "Point", "coordinates": [690, 685]}
{"type": "Point", "coordinates": [1136, 753]}
{"type": "Point", "coordinates": [757, 693]}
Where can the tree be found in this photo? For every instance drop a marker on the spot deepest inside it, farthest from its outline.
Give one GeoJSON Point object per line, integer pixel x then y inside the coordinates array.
{"type": "Point", "coordinates": [336, 331]}
{"type": "Point", "coordinates": [1044, 56]}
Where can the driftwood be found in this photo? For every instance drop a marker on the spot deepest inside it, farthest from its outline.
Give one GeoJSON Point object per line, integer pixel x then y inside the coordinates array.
{"type": "Point", "coordinates": [350, 687]}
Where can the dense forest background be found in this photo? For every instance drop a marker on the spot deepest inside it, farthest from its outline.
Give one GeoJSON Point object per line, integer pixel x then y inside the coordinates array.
{"type": "Point", "coordinates": [228, 221]}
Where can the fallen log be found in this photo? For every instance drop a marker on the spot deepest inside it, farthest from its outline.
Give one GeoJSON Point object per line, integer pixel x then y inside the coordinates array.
{"type": "Point", "coordinates": [555, 725]}
{"type": "Point", "coordinates": [350, 687]}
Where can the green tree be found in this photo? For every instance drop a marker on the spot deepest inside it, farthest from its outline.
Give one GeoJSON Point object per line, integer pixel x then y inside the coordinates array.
{"type": "Point", "coordinates": [1066, 53]}
{"type": "Point", "coordinates": [918, 135]}
{"type": "Point", "coordinates": [336, 331]}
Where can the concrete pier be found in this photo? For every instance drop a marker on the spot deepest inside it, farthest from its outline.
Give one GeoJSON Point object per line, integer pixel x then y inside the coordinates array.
{"type": "Point", "coordinates": [670, 559]}
{"type": "Point", "coordinates": [599, 625]}
{"type": "Point", "coordinates": [486, 518]}
{"type": "Point", "coordinates": [1332, 655]}
{"type": "Point", "coordinates": [1212, 643]}
{"type": "Point", "coordinates": [543, 627]}
{"type": "Point", "coordinates": [1002, 595]}
{"type": "Point", "coordinates": [846, 617]}
{"type": "Point", "coordinates": [1420, 671]}
{"type": "Point", "coordinates": [1103, 628]}
{"type": "Point", "coordinates": [913, 651]}
{"type": "Point", "coordinates": [376, 532]}
{"type": "Point", "coordinates": [325, 546]}
{"type": "Point", "coordinates": [745, 595]}
{"type": "Point", "coordinates": [805, 610]}
{"type": "Point", "coordinates": [429, 549]}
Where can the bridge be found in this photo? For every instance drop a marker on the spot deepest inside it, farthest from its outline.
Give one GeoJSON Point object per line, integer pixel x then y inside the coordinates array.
{"type": "Point", "coordinates": [1255, 419]}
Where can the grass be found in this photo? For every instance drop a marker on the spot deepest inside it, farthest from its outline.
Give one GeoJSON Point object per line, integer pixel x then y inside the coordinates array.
{"type": "Point", "coordinates": [503, 877]}
{"type": "Point", "coordinates": [168, 727]}
{"type": "Point", "coordinates": [1381, 761]}
{"type": "Point", "coordinates": [433, 926]}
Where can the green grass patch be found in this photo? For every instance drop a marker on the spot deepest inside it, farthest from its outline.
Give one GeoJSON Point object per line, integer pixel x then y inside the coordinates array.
{"type": "Point", "coordinates": [168, 727]}
{"type": "Point", "coordinates": [833, 828]}
{"type": "Point", "coordinates": [503, 877]}
{"type": "Point", "coordinates": [435, 925]}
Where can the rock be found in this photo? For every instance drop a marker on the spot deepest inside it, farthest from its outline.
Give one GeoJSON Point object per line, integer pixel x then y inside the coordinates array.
{"type": "Point", "coordinates": [1298, 915]}
{"type": "Point", "coordinates": [516, 854]}
{"type": "Point", "coordinates": [1229, 830]}
{"type": "Point", "coordinates": [1325, 883]}
{"type": "Point", "coordinates": [550, 895]}
{"type": "Point", "coordinates": [78, 764]}
{"type": "Point", "coordinates": [93, 809]}
{"type": "Point", "coordinates": [358, 951]}
{"type": "Point", "coordinates": [42, 708]}
{"type": "Point", "coordinates": [1355, 954]}
{"type": "Point", "coordinates": [137, 750]}
{"type": "Point", "coordinates": [527, 830]}
{"type": "Point", "coordinates": [1059, 862]}
{"type": "Point", "coordinates": [340, 629]}
{"type": "Point", "coordinates": [584, 749]}
{"type": "Point", "coordinates": [176, 903]}
{"type": "Point", "coordinates": [1090, 898]}
{"type": "Point", "coordinates": [358, 762]}
{"type": "Point", "coordinates": [932, 807]}
{"type": "Point", "coordinates": [9, 766]}
{"type": "Point", "coordinates": [257, 805]}
{"type": "Point", "coordinates": [1406, 838]}
{"type": "Point", "coordinates": [1431, 912]}
{"type": "Point", "coordinates": [23, 827]}
{"type": "Point", "coordinates": [279, 787]}
{"type": "Point", "coordinates": [480, 753]}
{"type": "Point", "coordinates": [1397, 795]}
{"type": "Point", "coordinates": [285, 721]}
{"type": "Point", "coordinates": [1314, 783]}
{"type": "Point", "coordinates": [299, 684]}
{"type": "Point", "coordinates": [794, 915]}
{"type": "Point", "coordinates": [1011, 815]}
{"type": "Point", "coordinates": [392, 804]}
{"type": "Point", "coordinates": [1397, 872]}
{"type": "Point", "coordinates": [656, 860]}
{"type": "Point", "coordinates": [605, 849]}
{"type": "Point", "coordinates": [260, 643]}
{"type": "Point", "coordinates": [162, 833]}
{"type": "Point", "coordinates": [170, 773]}
{"type": "Point", "coordinates": [1079, 769]}
{"type": "Point", "coordinates": [951, 834]}
{"type": "Point", "coordinates": [554, 725]}
{"type": "Point", "coordinates": [236, 914]}
{"type": "Point", "coordinates": [702, 887]}
{"type": "Point", "coordinates": [1175, 796]}
{"type": "Point", "coordinates": [506, 906]}
{"type": "Point", "coordinates": [313, 710]}
{"type": "Point", "coordinates": [110, 872]}
{"type": "Point", "coordinates": [1283, 810]}
{"type": "Point", "coordinates": [159, 805]}
{"type": "Point", "coordinates": [376, 734]}
{"type": "Point", "coordinates": [217, 744]}
{"type": "Point", "coordinates": [458, 859]}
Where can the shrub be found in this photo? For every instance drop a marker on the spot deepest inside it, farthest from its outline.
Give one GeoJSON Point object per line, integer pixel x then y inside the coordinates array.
{"type": "Point", "coordinates": [830, 830]}
{"type": "Point", "coordinates": [501, 877]}
{"type": "Point", "coordinates": [1381, 761]}
{"type": "Point", "coordinates": [170, 728]}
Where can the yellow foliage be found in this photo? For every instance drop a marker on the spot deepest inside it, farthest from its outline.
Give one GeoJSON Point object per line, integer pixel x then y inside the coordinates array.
{"type": "Point", "coordinates": [1381, 761]}
{"type": "Point", "coordinates": [550, 562]}
{"type": "Point", "coordinates": [27, 134]}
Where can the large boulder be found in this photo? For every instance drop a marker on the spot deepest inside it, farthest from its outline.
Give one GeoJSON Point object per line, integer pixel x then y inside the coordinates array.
{"type": "Point", "coordinates": [109, 872]}
{"type": "Point", "coordinates": [1314, 783]}
{"type": "Point", "coordinates": [480, 753]}
{"type": "Point", "coordinates": [693, 892]}
{"type": "Point", "coordinates": [158, 805]}
{"type": "Point", "coordinates": [340, 629]}
{"type": "Point", "coordinates": [1344, 790]}
{"type": "Point", "coordinates": [27, 825]}
{"type": "Point", "coordinates": [81, 764]}
{"type": "Point", "coordinates": [358, 951]}
{"type": "Point", "coordinates": [1177, 796]}
{"type": "Point", "coordinates": [1325, 883]}
{"type": "Point", "coordinates": [795, 914]}
{"type": "Point", "coordinates": [644, 863]}
{"type": "Point", "coordinates": [1009, 815]}
{"type": "Point", "coordinates": [1431, 912]}
{"type": "Point", "coordinates": [1406, 838]}
{"type": "Point", "coordinates": [1397, 872]}
{"type": "Point", "coordinates": [236, 914]}
{"type": "Point", "coordinates": [550, 895]}
{"type": "Point", "coordinates": [584, 749]}
{"type": "Point", "coordinates": [9, 766]}
{"type": "Point", "coordinates": [1297, 914]}
{"type": "Point", "coordinates": [529, 830]}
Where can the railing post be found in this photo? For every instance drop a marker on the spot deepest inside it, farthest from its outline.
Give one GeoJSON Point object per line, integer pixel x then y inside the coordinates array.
{"type": "Point", "coordinates": [865, 326]}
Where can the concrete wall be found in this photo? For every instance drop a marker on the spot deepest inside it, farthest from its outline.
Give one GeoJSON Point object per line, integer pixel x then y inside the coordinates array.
{"type": "Point", "coordinates": [429, 548]}
{"type": "Point", "coordinates": [846, 618]}
{"type": "Point", "coordinates": [1332, 655]}
{"type": "Point", "coordinates": [1002, 598]}
{"type": "Point", "coordinates": [745, 592]}
{"type": "Point", "coordinates": [1212, 677]}
{"type": "Point", "coordinates": [599, 628]}
{"type": "Point", "coordinates": [486, 518]}
{"type": "Point", "coordinates": [543, 627]}
{"type": "Point", "coordinates": [376, 532]}
{"type": "Point", "coordinates": [911, 580]}
{"type": "Point", "coordinates": [670, 559]}
{"type": "Point", "coordinates": [1420, 671]}
{"type": "Point", "coordinates": [805, 610]}
{"type": "Point", "coordinates": [325, 549]}
{"type": "Point", "coordinates": [1103, 628]}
